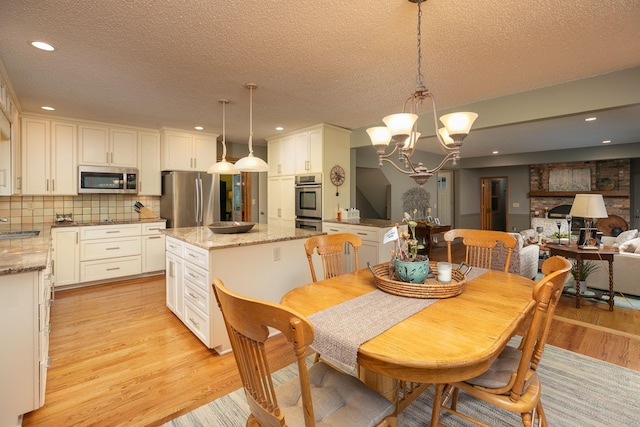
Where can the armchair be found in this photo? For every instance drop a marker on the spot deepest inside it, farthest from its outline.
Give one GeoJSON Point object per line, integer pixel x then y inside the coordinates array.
{"type": "Point", "coordinates": [524, 259]}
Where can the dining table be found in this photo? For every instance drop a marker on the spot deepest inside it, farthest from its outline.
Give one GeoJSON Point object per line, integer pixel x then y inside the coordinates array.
{"type": "Point", "coordinates": [437, 341]}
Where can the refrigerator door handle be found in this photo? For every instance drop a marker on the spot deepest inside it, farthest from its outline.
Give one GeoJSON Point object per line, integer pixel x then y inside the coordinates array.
{"type": "Point", "coordinates": [198, 201]}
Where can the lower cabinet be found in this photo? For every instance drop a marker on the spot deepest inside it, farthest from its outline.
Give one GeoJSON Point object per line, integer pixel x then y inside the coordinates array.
{"type": "Point", "coordinates": [25, 300]}
{"type": "Point", "coordinates": [107, 252]}
{"type": "Point", "coordinates": [373, 249]}
{"type": "Point", "coordinates": [190, 295]}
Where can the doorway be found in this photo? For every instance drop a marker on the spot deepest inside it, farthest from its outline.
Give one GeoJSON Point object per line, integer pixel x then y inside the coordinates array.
{"type": "Point", "coordinates": [494, 206]}
{"type": "Point", "coordinates": [236, 191]}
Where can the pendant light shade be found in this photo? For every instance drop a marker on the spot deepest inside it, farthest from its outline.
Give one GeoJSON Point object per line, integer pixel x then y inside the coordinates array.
{"type": "Point", "coordinates": [251, 163]}
{"type": "Point", "coordinates": [223, 167]}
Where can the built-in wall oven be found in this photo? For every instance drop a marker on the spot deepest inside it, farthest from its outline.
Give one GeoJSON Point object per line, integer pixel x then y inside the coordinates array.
{"type": "Point", "coordinates": [309, 201]}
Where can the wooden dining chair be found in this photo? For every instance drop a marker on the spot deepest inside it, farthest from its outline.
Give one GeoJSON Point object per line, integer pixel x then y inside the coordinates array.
{"type": "Point", "coordinates": [479, 246]}
{"type": "Point", "coordinates": [331, 249]}
{"type": "Point", "coordinates": [511, 383]}
{"type": "Point", "coordinates": [320, 394]}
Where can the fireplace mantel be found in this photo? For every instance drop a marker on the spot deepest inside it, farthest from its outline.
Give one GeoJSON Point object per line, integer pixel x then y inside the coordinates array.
{"type": "Point", "coordinates": [573, 193]}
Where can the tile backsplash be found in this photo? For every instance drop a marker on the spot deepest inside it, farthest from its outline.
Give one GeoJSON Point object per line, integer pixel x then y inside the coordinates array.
{"type": "Point", "coordinates": [38, 211]}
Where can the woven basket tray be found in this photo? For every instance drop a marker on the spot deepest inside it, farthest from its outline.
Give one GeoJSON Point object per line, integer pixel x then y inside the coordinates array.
{"type": "Point", "coordinates": [431, 288]}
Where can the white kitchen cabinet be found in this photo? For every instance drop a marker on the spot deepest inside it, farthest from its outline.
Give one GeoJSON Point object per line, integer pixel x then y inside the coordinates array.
{"type": "Point", "coordinates": [48, 157]}
{"type": "Point", "coordinates": [66, 255]}
{"type": "Point", "coordinates": [315, 149]}
{"type": "Point", "coordinates": [25, 300]}
{"type": "Point", "coordinates": [107, 146]}
{"type": "Point", "coordinates": [153, 246]}
{"type": "Point", "coordinates": [281, 156]}
{"type": "Point", "coordinates": [281, 201]}
{"type": "Point", "coordinates": [373, 249]}
{"type": "Point", "coordinates": [149, 176]}
{"type": "Point", "coordinates": [185, 151]}
{"type": "Point", "coordinates": [110, 251]}
{"type": "Point", "coordinates": [174, 268]}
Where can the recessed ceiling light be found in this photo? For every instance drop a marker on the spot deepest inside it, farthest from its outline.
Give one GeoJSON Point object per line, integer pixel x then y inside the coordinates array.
{"type": "Point", "coordinates": [47, 108]}
{"type": "Point", "coordinates": [199, 128]}
{"type": "Point", "coordinates": [495, 151]}
{"type": "Point", "coordinates": [42, 46]}
{"type": "Point", "coordinates": [606, 141]}
{"type": "Point", "coordinates": [590, 119]}
{"type": "Point", "coordinates": [279, 128]}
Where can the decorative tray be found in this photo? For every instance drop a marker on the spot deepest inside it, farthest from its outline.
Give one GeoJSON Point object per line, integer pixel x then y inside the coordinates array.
{"type": "Point", "coordinates": [431, 288]}
{"type": "Point", "coordinates": [231, 227]}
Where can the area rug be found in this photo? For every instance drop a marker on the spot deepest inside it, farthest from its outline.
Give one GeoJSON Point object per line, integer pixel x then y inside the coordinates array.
{"type": "Point", "coordinates": [577, 391]}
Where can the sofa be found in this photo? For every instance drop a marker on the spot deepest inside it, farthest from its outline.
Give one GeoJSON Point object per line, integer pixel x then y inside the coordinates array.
{"type": "Point", "coordinates": [626, 265]}
{"type": "Point", "coordinates": [524, 258]}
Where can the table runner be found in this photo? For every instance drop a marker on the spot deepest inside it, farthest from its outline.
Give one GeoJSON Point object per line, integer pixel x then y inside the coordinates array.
{"type": "Point", "coordinates": [339, 330]}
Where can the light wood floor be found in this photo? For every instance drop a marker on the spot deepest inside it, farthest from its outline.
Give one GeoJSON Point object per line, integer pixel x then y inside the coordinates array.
{"type": "Point", "coordinates": [120, 357]}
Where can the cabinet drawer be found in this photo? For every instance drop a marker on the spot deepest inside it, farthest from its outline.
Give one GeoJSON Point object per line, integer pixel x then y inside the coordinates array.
{"type": "Point", "coordinates": [331, 228]}
{"type": "Point", "coordinates": [197, 276]}
{"type": "Point", "coordinates": [197, 256]}
{"type": "Point", "coordinates": [365, 233]}
{"type": "Point", "coordinates": [197, 322]}
{"type": "Point", "coordinates": [196, 296]}
{"type": "Point", "coordinates": [111, 268]}
{"type": "Point", "coordinates": [109, 231]}
{"type": "Point", "coordinates": [174, 246]}
{"type": "Point", "coordinates": [153, 228]}
{"type": "Point", "coordinates": [109, 248]}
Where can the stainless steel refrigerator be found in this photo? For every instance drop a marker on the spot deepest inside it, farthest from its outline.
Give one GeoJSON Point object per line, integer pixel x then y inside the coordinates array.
{"type": "Point", "coordinates": [190, 199]}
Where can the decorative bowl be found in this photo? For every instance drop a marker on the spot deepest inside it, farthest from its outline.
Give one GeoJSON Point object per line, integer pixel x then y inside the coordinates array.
{"type": "Point", "coordinates": [412, 271]}
{"type": "Point", "coordinates": [231, 227]}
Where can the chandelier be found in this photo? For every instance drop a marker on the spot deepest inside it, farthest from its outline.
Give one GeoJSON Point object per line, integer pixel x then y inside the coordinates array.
{"type": "Point", "coordinates": [402, 128]}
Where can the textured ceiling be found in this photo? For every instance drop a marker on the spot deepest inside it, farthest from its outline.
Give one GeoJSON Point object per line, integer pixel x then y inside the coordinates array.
{"type": "Point", "coordinates": [155, 63]}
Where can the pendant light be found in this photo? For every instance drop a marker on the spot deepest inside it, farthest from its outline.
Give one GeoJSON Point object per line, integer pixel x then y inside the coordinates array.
{"type": "Point", "coordinates": [251, 163]}
{"type": "Point", "coordinates": [223, 167]}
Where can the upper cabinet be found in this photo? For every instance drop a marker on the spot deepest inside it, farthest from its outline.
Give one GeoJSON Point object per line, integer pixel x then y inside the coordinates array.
{"type": "Point", "coordinates": [281, 156]}
{"type": "Point", "coordinates": [48, 157]}
{"type": "Point", "coordinates": [103, 145]}
{"type": "Point", "coordinates": [149, 164]}
{"type": "Point", "coordinates": [186, 151]}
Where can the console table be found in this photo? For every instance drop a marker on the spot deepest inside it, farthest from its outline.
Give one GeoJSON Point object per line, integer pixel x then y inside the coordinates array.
{"type": "Point", "coordinates": [572, 251]}
{"type": "Point", "coordinates": [426, 233]}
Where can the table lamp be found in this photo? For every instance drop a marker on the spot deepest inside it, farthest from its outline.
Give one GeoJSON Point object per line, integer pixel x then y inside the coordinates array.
{"type": "Point", "coordinates": [588, 206]}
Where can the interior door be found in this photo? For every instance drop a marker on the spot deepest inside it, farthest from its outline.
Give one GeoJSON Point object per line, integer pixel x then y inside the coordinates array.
{"type": "Point", "coordinates": [445, 197]}
{"type": "Point", "coordinates": [494, 212]}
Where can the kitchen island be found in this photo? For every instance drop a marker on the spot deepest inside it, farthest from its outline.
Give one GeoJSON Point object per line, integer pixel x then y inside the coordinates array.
{"type": "Point", "coordinates": [264, 263]}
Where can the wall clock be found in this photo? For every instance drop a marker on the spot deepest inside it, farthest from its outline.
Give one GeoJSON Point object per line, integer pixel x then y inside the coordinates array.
{"type": "Point", "coordinates": [337, 176]}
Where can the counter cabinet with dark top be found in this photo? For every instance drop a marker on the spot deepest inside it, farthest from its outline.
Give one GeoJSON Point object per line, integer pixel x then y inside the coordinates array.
{"type": "Point", "coordinates": [264, 263]}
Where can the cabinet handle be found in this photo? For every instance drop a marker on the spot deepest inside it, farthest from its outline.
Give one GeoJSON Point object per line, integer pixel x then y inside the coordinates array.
{"type": "Point", "coordinates": [334, 229]}
{"type": "Point", "coordinates": [196, 324]}
{"type": "Point", "coordinates": [112, 157]}
{"type": "Point", "coordinates": [362, 234]}
{"type": "Point", "coordinates": [107, 155]}
{"type": "Point", "coordinates": [155, 237]}
{"type": "Point", "coordinates": [171, 267]}
{"type": "Point", "coordinates": [279, 168]}
{"type": "Point", "coordinates": [155, 229]}
{"type": "Point", "coordinates": [47, 186]}
{"type": "Point", "coordinates": [113, 249]}
{"type": "Point", "coordinates": [112, 232]}
{"type": "Point", "coordinates": [113, 268]}
{"type": "Point", "coordinates": [53, 185]}
{"type": "Point", "coordinates": [193, 256]}
{"type": "Point", "coordinates": [195, 297]}
{"type": "Point", "coordinates": [307, 165]}
{"type": "Point", "coordinates": [19, 182]}
{"type": "Point", "coordinates": [193, 275]}
{"type": "Point", "coordinates": [172, 246]}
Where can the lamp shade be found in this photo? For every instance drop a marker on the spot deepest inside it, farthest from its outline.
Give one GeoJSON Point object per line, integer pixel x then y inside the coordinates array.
{"type": "Point", "coordinates": [445, 136]}
{"type": "Point", "coordinates": [223, 168]}
{"type": "Point", "coordinates": [588, 206]}
{"type": "Point", "coordinates": [458, 123]}
{"type": "Point", "coordinates": [401, 123]}
{"type": "Point", "coordinates": [252, 164]}
{"type": "Point", "coordinates": [379, 135]}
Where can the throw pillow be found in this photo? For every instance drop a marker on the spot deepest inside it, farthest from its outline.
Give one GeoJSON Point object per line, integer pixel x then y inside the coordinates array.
{"type": "Point", "coordinates": [624, 236]}
{"type": "Point", "coordinates": [630, 245]}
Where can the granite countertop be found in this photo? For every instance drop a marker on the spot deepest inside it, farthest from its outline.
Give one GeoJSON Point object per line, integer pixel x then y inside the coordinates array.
{"type": "Point", "coordinates": [21, 255]}
{"type": "Point", "coordinates": [259, 234]}
{"type": "Point", "coordinates": [368, 222]}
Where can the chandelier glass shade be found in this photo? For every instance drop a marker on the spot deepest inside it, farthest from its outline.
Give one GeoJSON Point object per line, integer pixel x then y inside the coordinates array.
{"type": "Point", "coordinates": [223, 167]}
{"type": "Point", "coordinates": [401, 128]}
{"type": "Point", "coordinates": [251, 163]}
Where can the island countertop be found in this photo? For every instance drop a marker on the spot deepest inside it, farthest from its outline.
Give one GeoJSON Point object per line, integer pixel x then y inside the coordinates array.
{"type": "Point", "coordinates": [259, 234]}
{"type": "Point", "coordinates": [20, 255]}
{"type": "Point", "coordinates": [368, 222]}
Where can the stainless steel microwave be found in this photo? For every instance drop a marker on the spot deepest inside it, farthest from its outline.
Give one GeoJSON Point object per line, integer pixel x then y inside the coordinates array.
{"type": "Point", "coordinates": [107, 179]}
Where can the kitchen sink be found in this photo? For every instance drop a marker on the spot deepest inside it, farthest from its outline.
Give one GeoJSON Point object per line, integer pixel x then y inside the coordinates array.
{"type": "Point", "coordinates": [10, 235]}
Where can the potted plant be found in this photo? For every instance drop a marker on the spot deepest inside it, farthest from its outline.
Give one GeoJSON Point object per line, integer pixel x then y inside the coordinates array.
{"type": "Point", "coordinates": [409, 266]}
{"type": "Point", "coordinates": [585, 268]}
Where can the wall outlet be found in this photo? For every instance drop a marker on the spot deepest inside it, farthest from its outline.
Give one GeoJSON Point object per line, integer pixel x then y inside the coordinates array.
{"type": "Point", "coordinates": [516, 205]}
{"type": "Point", "coordinates": [276, 254]}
